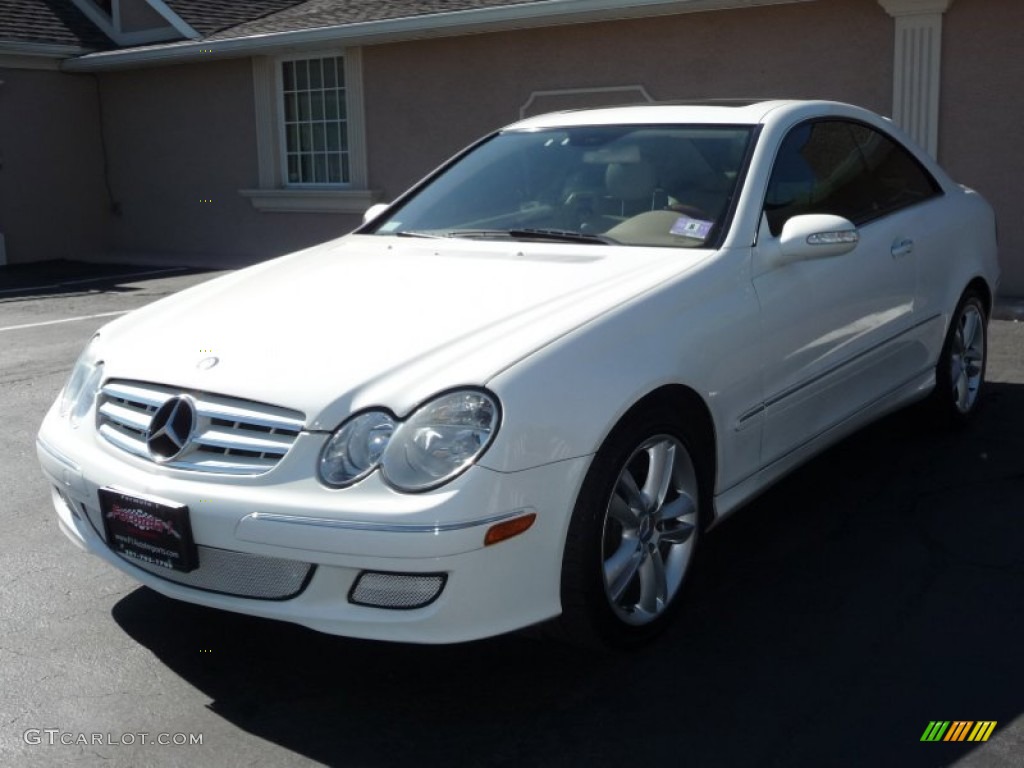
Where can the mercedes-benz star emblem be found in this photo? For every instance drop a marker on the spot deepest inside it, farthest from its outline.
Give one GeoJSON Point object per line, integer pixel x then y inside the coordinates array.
{"type": "Point", "coordinates": [171, 428]}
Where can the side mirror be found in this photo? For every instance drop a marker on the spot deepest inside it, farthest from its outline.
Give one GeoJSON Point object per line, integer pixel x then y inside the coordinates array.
{"type": "Point", "coordinates": [374, 211]}
{"type": "Point", "coordinates": [816, 236]}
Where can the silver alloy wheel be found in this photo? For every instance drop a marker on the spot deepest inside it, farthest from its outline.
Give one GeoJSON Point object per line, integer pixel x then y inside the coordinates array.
{"type": "Point", "coordinates": [649, 530]}
{"type": "Point", "coordinates": [967, 358]}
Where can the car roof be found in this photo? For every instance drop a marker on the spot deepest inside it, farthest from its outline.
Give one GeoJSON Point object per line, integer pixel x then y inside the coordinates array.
{"type": "Point", "coordinates": [715, 112]}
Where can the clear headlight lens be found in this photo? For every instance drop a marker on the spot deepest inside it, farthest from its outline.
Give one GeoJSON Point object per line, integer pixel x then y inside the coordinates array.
{"type": "Point", "coordinates": [440, 440]}
{"type": "Point", "coordinates": [355, 449]}
{"type": "Point", "coordinates": [435, 444]}
{"type": "Point", "coordinates": [83, 384]}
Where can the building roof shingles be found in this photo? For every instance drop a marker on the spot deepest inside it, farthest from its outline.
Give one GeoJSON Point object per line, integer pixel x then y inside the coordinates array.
{"type": "Point", "coordinates": [48, 22]}
{"type": "Point", "coordinates": [59, 22]}
{"type": "Point", "coordinates": [316, 14]}
{"type": "Point", "coordinates": [209, 16]}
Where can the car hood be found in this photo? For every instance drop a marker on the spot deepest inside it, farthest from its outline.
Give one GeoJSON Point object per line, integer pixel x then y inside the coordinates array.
{"type": "Point", "coordinates": [377, 321]}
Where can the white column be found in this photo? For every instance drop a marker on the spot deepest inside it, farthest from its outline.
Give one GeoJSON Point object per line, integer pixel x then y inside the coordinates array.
{"type": "Point", "coordinates": [268, 153]}
{"type": "Point", "coordinates": [917, 64]}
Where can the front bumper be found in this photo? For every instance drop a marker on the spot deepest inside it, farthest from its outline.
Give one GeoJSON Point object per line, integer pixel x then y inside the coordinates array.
{"type": "Point", "coordinates": [284, 547]}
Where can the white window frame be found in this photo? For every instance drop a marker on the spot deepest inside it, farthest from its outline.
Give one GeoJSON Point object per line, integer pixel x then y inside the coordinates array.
{"type": "Point", "coordinates": [274, 193]}
{"type": "Point", "coordinates": [282, 128]}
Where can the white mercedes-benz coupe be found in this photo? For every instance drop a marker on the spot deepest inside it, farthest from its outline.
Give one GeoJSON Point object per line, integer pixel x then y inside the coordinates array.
{"type": "Point", "coordinates": [525, 389]}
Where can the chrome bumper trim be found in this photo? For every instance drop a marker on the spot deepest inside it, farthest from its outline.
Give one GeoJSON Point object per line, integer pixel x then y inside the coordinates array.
{"type": "Point", "coordinates": [363, 525]}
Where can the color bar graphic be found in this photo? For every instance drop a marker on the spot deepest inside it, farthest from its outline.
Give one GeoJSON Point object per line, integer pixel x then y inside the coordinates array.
{"type": "Point", "coordinates": [935, 730]}
{"type": "Point", "coordinates": [958, 730]}
{"type": "Point", "coordinates": [982, 730]}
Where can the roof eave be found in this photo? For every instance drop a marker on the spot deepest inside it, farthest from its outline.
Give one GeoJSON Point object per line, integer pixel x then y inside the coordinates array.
{"type": "Point", "coordinates": [473, 21]}
{"type": "Point", "coordinates": [44, 50]}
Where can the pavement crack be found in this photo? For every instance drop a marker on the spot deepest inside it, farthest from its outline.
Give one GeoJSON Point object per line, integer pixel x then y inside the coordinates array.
{"type": "Point", "coordinates": [24, 574]}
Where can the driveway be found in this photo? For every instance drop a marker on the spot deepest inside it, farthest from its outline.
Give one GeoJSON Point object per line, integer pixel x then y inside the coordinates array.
{"type": "Point", "coordinates": [879, 588]}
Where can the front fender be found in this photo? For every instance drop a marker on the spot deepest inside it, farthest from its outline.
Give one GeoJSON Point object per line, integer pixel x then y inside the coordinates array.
{"type": "Point", "coordinates": [699, 329]}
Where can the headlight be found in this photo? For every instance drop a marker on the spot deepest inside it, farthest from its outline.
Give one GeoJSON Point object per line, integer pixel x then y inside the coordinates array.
{"type": "Point", "coordinates": [440, 440]}
{"type": "Point", "coordinates": [435, 444]}
{"type": "Point", "coordinates": [355, 449]}
{"type": "Point", "coordinates": [83, 384]}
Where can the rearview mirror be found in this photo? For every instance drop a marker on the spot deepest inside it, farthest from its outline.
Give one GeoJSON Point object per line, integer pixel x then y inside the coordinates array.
{"type": "Point", "coordinates": [816, 236]}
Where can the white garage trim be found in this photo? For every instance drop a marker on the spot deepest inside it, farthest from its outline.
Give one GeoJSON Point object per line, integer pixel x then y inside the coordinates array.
{"type": "Point", "coordinates": [637, 91]}
{"type": "Point", "coordinates": [917, 66]}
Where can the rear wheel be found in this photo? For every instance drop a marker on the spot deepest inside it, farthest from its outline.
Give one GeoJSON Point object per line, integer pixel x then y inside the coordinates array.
{"type": "Point", "coordinates": [960, 374]}
{"type": "Point", "coordinates": [633, 534]}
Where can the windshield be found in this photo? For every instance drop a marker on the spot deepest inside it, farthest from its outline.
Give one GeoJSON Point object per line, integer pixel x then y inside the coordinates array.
{"type": "Point", "coordinates": [646, 185]}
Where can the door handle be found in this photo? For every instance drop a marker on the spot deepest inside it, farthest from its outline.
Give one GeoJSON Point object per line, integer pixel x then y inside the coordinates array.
{"type": "Point", "coordinates": [902, 247]}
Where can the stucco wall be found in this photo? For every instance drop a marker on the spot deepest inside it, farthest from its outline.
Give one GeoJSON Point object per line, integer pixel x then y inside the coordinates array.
{"type": "Point", "coordinates": [427, 99]}
{"type": "Point", "coordinates": [178, 136]}
{"type": "Point", "coordinates": [183, 135]}
{"type": "Point", "coordinates": [982, 111]}
{"type": "Point", "coordinates": [52, 200]}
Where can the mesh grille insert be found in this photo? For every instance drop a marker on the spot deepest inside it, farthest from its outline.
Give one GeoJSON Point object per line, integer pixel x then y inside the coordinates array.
{"type": "Point", "coordinates": [239, 573]}
{"type": "Point", "coordinates": [401, 591]}
{"type": "Point", "coordinates": [228, 572]}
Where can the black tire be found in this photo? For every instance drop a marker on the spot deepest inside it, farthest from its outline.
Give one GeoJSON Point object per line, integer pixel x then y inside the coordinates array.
{"type": "Point", "coordinates": [644, 544]}
{"type": "Point", "coordinates": [960, 372]}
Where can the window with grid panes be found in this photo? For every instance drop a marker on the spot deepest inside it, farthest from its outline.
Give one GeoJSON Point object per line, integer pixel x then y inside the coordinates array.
{"type": "Point", "coordinates": [315, 121]}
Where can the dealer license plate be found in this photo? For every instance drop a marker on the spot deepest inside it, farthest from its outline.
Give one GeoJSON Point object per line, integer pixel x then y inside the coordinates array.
{"type": "Point", "coordinates": [150, 530]}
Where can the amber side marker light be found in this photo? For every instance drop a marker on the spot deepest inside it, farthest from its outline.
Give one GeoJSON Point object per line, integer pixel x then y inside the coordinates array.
{"type": "Point", "coordinates": [508, 529]}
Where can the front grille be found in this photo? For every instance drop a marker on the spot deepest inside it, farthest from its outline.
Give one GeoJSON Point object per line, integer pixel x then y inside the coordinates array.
{"type": "Point", "coordinates": [238, 573]}
{"type": "Point", "coordinates": [232, 436]}
{"type": "Point", "coordinates": [228, 572]}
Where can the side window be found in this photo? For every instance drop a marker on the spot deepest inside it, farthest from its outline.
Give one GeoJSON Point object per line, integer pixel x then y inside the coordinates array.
{"type": "Point", "coordinates": [846, 169]}
{"type": "Point", "coordinates": [896, 178]}
{"type": "Point", "coordinates": [819, 169]}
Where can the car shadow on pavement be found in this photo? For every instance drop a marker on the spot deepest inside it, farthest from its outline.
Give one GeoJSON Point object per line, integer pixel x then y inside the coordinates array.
{"type": "Point", "coordinates": [876, 589]}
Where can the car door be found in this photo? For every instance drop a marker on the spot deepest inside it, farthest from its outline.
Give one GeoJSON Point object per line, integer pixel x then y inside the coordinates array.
{"type": "Point", "coordinates": [838, 333]}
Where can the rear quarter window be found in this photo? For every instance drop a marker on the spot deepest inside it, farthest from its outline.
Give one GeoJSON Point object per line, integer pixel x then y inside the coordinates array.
{"type": "Point", "coordinates": [844, 168]}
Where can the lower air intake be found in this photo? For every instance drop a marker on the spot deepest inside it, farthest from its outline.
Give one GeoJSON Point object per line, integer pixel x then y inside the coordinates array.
{"type": "Point", "coordinates": [228, 572]}
{"type": "Point", "coordinates": [398, 591]}
{"type": "Point", "coordinates": [239, 573]}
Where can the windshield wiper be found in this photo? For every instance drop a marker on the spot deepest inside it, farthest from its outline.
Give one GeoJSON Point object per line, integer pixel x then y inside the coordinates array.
{"type": "Point", "coordinates": [503, 233]}
{"type": "Point", "coordinates": [561, 235]}
{"type": "Point", "coordinates": [558, 235]}
{"type": "Point", "coordinates": [441, 234]}
{"type": "Point", "coordinates": [415, 233]}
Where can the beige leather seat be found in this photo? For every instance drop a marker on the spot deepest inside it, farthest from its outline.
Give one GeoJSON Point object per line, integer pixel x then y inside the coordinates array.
{"type": "Point", "coordinates": [631, 188]}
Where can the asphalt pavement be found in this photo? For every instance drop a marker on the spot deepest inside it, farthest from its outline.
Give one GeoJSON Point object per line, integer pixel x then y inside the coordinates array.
{"type": "Point", "coordinates": [877, 589]}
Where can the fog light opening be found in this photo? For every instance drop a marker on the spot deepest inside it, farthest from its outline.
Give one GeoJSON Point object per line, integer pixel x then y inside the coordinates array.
{"type": "Point", "coordinates": [396, 591]}
{"type": "Point", "coordinates": [508, 529]}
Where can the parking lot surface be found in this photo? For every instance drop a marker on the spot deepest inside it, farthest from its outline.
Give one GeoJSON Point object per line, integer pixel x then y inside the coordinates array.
{"type": "Point", "coordinates": [879, 588]}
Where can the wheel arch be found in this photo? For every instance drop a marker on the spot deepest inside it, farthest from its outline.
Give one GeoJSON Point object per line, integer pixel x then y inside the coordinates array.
{"type": "Point", "coordinates": [587, 618]}
{"type": "Point", "coordinates": [692, 408]}
{"type": "Point", "coordinates": [980, 286]}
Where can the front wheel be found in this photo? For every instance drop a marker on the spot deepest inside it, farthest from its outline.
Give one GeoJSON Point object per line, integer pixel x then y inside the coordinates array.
{"type": "Point", "coordinates": [960, 374]}
{"type": "Point", "coordinates": [633, 534]}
